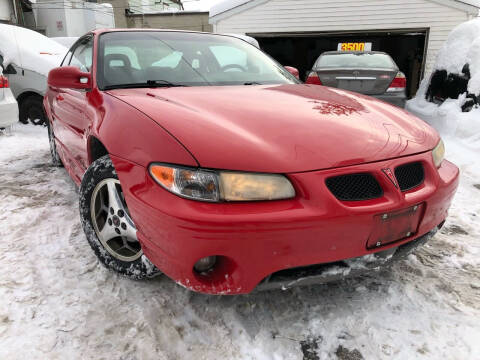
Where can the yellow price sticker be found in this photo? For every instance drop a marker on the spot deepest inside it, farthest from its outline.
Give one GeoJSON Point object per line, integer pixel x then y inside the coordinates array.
{"type": "Point", "coordinates": [352, 46]}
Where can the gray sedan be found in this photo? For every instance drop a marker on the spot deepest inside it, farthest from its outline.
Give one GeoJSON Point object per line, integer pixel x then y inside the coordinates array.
{"type": "Point", "coordinates": [371, 73]}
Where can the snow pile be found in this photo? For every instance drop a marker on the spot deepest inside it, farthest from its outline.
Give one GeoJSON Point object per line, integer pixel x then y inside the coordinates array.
{"type": "Point", "coordinates": [29, 49]}
{"type": "Point", "coordinates": [461, 47]}
{"type": "Point", "coordinates": [449, 120]}
{"type": "Point", "coordinates": [456, 50]}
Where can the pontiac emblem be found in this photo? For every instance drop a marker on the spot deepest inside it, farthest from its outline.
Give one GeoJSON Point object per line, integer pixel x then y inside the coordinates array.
{"type": "Point", "coordinates": [391, 176]}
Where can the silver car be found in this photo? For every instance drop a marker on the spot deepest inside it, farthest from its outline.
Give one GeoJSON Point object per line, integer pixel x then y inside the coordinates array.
{"type": "Point", "coordinates": [371, 73]}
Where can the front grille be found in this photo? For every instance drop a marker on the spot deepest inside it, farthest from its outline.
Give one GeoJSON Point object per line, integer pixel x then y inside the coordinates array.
{"type": "Point", "coordinates": [354, 187]}
{"type": "Point", "coordinates": [409, 175]}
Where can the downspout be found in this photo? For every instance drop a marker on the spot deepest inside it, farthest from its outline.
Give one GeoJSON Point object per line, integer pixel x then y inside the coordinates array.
{"type": "Point", "coordinates": [15, 10]}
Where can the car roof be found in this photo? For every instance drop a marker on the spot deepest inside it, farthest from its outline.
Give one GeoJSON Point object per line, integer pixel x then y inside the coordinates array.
{"type": "Point", "coordinates": [353, 52]}
{"type": "Point", "coordinates": [102, 31]}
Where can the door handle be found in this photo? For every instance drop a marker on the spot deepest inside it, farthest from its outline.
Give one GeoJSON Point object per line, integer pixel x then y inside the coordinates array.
{"type": "Point", "coordinates": [59, 98]}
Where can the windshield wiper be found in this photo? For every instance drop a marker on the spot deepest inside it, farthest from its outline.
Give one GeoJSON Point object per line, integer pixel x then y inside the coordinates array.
{"type": "Point", "coordinates": [147, 84]}
{"type": "Point", "coordinates": [163, 83]}
{"type": "Point", "coordinates": [252, 83]}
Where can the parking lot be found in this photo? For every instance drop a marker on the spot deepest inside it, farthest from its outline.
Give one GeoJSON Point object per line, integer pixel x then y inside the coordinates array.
{"type": "Point", "coordinates": [57, 301]}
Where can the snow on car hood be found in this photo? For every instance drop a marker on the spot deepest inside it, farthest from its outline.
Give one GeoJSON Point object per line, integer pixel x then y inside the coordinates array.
{"type": "Point", "coordinates": [29, 49]}
{"type": "Point", "coordinates": [281, 128]}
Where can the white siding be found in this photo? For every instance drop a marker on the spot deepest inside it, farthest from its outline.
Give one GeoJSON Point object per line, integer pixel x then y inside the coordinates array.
{"type": "Point", "coordinates": [6, 11]}
{"type": "Point", "coordinates": [348, 15]}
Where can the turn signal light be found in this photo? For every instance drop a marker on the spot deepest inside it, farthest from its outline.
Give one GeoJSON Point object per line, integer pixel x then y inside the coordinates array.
{"type": "Point", "coordinates": [313, 79]}
{"type": "Point", "coordinates": [3, 82]}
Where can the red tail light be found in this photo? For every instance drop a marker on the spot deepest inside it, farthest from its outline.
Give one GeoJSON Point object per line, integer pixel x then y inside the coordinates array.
{"type": "Point", "coordinates": [3, 82]}
{"type": "Point", "coordinates": [399, 83]}
{"type": "Point", "coordinates": [313, 79]}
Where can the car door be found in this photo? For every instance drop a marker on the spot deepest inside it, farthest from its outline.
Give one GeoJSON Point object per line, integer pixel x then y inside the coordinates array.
{"type": "Point", "coordinates": [69, 109]}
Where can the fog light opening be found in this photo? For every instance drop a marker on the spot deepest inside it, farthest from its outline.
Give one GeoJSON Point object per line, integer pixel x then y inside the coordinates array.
{"type": "Point", "coordinates": [205, 264]}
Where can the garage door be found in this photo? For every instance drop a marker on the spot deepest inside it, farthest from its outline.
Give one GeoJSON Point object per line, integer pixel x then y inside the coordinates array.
{"type": "Point", "coordinates": [406, 47]}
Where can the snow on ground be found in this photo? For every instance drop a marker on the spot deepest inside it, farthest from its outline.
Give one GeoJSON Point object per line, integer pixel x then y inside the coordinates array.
{"type": "Point", "coordinates": [57, 301]}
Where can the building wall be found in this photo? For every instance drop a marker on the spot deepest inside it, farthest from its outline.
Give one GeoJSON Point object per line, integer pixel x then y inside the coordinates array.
{"type": "Point", "coordinates": [71, 18]}
{"type": "Point", "coordinates": [119, 7]}
{"type": "Point", "coordinates": [196, 21]}
{"type": "Point", "coordinates": [347, 15]}
{"type": "Point", "coordinates": [6, 10]}
{"type": "Point", "coordinates": [151, 6]}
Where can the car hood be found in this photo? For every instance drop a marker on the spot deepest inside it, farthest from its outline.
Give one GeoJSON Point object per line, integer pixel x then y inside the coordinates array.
{"type": "Point", "coordinates": [281, 128]}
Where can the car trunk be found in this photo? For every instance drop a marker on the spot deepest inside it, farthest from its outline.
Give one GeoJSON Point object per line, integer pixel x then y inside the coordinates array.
{"type": "Point", "coordinates": [364, 81]}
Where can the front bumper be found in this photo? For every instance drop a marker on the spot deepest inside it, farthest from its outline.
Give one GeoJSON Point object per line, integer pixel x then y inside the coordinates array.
{"type": "Point", "coordinates": [255, 240]}
{"type": "Point", "coordinates": [324, 273]}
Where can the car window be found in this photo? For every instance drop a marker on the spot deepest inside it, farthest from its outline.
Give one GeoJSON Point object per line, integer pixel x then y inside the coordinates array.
{"type": "Point", "coordinates": [191, 59]}
{"type": "Point", "coordinates": [355, 60]}
{"type": "Point", "coordinates": [229, 56]}
{"type": "Point", "coordinates": [66, 60]}
{"type": "Point", "coordinates": [82, 55]}
{"type": "Point", "coordinates": [171, 61]}
{"type": "Point", "coordinates": [124, 50]}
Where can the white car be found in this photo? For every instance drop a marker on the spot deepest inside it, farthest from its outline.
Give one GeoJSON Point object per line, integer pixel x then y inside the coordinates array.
{"type": "Point", "coordinates": [26, 57]}
{"type": "Point", "coordinates": [8, 104]}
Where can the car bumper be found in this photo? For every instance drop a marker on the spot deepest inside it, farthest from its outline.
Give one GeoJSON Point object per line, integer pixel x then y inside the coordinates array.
{"type": "Point", "coordinates": [397, 99]}
{"type": "Point", "coordinates": [9, 110]}
{"type": "Point", "coordinates": [255, 240]}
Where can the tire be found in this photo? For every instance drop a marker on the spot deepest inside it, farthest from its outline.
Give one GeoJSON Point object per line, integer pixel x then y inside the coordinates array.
{"type": "Point", "coordinates": [56, 161]}
{"type": "Point", "coordinates": [104, 215]}
{"type": "Point", "coordinates": [31, 109]}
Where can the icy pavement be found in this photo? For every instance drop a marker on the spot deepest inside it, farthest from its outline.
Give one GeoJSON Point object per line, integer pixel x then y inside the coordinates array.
{"type": "Point", "coordinates": [58, 302]}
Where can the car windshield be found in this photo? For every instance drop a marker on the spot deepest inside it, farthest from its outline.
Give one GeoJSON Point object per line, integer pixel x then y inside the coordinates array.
{"type": "Point", "coordinates": [150, 58]}
{"type": "Point", "coordinates": [356, 60]}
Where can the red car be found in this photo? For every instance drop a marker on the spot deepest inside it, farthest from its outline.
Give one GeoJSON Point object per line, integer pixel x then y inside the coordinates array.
{"type": "Point", "coordinates": [199, 156]}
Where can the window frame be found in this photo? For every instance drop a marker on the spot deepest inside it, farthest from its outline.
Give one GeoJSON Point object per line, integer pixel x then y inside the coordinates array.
{"type": "Point", "coordinates": [82, 41]}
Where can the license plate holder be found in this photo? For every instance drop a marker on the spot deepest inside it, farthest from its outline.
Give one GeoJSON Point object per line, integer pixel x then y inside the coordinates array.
{"type": "Point", "coordinates": [395, 226]}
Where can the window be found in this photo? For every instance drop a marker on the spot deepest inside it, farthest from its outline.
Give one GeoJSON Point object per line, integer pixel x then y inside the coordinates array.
{"type": "Point", "coordinates": [229, 57]}
{"type": "Point", "coordinates": [135, 58]}
{"type": "Point", "coordinates": [171, 61]}
{"type": "Point", "coordinates": [355, 60]}
{"type": "Point", "coordinates": [66, 60]}
{"type": "Point", "coordinates": [82, 55]}
{"type": "Point", "coordinates": [124, 50]}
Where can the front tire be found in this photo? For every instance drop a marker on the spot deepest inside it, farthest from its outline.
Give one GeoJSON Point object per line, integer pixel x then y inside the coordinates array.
{"type": "Point", "coordinates": [107, 224]}
{"type": "Point", "coordinates": [56, 161]}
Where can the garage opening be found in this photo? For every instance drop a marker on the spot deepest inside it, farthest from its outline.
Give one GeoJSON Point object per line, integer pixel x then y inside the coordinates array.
{"type": "Point", "coordinates": [407, 48]}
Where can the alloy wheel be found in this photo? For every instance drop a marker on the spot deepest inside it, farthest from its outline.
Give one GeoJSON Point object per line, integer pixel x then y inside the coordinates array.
{"type": "Point", "coordinates": [112, 222]}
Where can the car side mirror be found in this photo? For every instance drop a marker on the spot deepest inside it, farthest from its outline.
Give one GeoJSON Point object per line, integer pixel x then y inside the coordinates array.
{"type": "Point", "coordinates": [293, 71]}
{"type": "Point", "coordinates": [69, 77]}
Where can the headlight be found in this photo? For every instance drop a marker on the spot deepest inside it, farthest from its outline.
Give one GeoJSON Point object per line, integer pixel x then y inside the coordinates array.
{"type": "Point", "coordinates": [250, 187]}
{"type": "Point", "coordinates": [185, 182]}
{"type": "Point", "coordinates": [218, 186]}
{"type": "Point", "coordinates": [438, 153]}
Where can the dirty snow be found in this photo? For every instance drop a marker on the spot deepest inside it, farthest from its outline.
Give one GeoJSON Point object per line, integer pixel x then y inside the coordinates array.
{"type": "Point", "coordinates": [29, 49]}
{"type": "Point", "coordinates": [57, 301]}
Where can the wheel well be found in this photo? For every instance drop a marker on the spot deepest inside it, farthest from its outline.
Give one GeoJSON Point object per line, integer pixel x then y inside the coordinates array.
{"type": "Point", "coordinates": [21, 98]}
{"type": "Point", "coordinates": [97, 149]}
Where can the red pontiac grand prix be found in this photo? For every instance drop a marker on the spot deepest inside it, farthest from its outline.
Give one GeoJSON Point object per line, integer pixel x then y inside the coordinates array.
{"type": "Point", "coordinates": [199, 156]}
